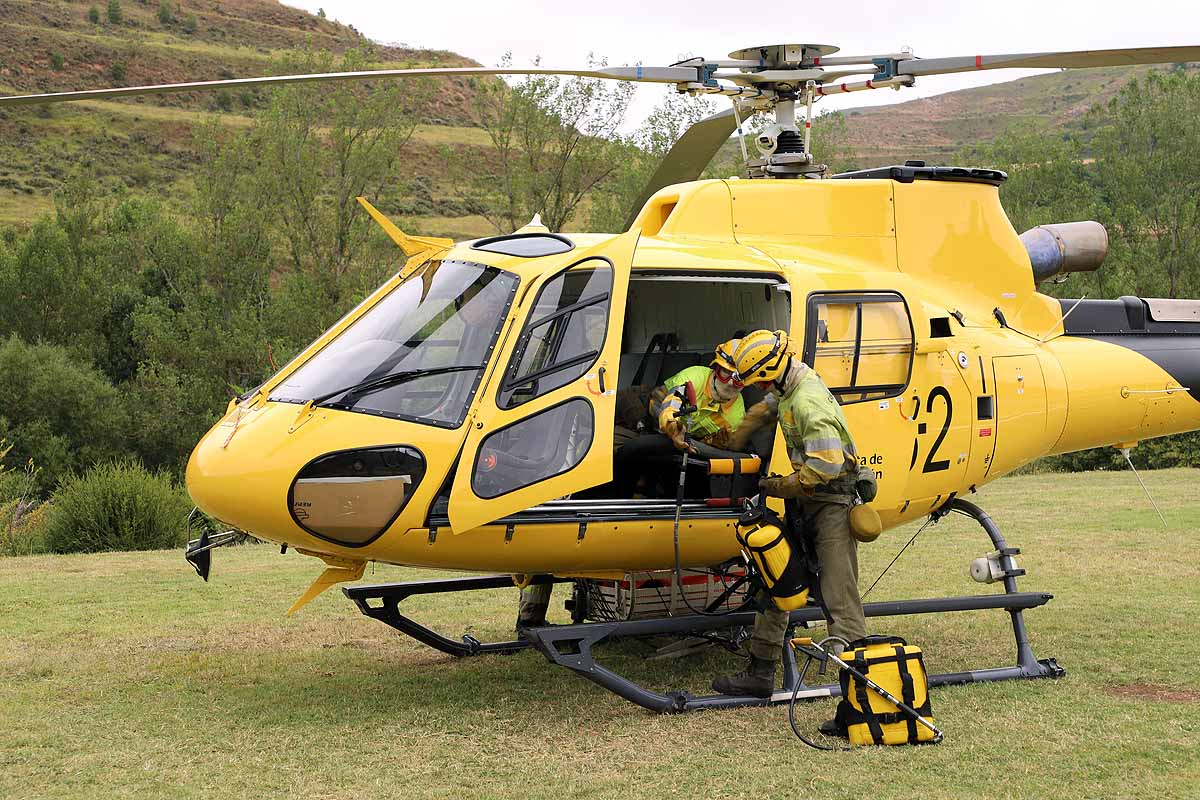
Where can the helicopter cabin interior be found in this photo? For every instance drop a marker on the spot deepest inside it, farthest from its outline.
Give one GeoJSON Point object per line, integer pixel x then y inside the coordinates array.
{"type": "Point", "coordinates": [861, 343]}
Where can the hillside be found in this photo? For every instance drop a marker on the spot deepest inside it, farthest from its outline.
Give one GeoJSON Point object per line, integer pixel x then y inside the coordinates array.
{"type": "Point", "coordinates": [145, 144]}
{"type": "Point", "coordinates": [935, 128]}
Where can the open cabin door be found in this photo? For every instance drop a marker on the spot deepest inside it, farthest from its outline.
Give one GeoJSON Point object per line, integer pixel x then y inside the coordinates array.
{"type": "Point", "coordinates": [543, 426]}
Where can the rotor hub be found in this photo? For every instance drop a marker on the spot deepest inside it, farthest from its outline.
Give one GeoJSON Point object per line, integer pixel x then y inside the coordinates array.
{"type": "Point", "coordinates": [777, 56]}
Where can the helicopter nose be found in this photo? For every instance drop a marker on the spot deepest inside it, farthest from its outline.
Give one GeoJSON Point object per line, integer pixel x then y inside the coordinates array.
{"type": "Point", "coordinates": [303, 479]}
{"type": "Point", "coordinates": [234, 474]}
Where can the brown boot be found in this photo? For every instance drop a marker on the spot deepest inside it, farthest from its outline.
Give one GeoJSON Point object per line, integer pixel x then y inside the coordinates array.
{"type": "Point", "coordinates": [757, 680]}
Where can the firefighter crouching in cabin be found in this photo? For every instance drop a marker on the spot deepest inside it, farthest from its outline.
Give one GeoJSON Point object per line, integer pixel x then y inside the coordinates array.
{"type": "Point", "coordinates": [819, 496]}
{"type": "Point", "coordinates": [719, 412]}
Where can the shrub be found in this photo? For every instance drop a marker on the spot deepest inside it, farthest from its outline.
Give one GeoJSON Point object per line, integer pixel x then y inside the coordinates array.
{"type": "Point", "coordinates": [59, 412]}
{"type": "Point", "coordinates": [117, 72]}
{"type": "Point", "coordinates": [116, 506]}
{"type": "Point", "coordinates": [94, 15]}
{"type": "Point", "coordinates": [165, 15]}
{"type": "Point", "coordinates": [114, 12]}
{"type": "Point", "coordinates": [189, 24]}
{"type": "Point", "coordinates": [23, 528]}
{"type": "Point", "coordinates": [57, 61]}
{"type": "Point", "coordinates": [21, 516]}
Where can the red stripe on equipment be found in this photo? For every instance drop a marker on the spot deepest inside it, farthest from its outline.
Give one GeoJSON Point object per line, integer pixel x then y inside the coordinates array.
{"type": "Point", "coordinates": [844, 89]}
{"type": "Point", "coordinates": [869, 86]}
{"type": "Point", "coordinates": [978, 62]}
{"type": "Point", "coordinates": [817, 61]}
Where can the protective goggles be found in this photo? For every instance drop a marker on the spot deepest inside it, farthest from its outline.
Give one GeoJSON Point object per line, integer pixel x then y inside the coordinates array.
{"type": "Point", "coordinates": [727, 376]}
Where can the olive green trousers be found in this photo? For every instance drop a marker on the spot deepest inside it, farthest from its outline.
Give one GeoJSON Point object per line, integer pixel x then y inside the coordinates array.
{"type": "Point", "coordinates": [837, 557]}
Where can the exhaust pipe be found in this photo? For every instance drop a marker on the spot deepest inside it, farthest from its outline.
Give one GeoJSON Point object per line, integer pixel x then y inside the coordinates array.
{"type": "Point", "coordinates": [1065, 247]}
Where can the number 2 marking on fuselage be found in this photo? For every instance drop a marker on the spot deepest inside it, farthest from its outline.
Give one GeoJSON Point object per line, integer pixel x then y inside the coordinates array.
{"type": "Point", "coordinates": [930, 465]}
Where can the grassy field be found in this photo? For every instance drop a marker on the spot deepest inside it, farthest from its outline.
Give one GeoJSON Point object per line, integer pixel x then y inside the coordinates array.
{"type": "Point", "coordinates": [123, 675]}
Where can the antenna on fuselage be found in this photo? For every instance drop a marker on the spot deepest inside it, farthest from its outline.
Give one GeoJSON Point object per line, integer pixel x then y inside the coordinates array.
{"type": "Point", "coordinates": [1129, 461]}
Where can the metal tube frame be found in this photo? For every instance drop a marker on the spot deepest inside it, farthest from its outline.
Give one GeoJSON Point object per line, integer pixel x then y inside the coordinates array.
{"type": "Point", "coordinates": [572, 646]}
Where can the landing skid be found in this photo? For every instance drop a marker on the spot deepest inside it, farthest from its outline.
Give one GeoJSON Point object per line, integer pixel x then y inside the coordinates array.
{"type": "Point", "coordinates": [572, 646]}
{"type": "Point", "coordinates": [387, 611]}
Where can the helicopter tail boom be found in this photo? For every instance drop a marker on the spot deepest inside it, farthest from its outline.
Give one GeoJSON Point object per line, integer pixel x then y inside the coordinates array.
{"type": "Point", "coordinates": [1131, 368]}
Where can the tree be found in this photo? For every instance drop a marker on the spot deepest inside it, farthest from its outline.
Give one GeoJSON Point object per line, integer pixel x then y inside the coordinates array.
{"type": "Point", "coordinates": [59, 412]}
{"type": "Point", "coordinates": [555, 141]}
{"type": "Point", "coordinates": [1145, 169]}
{"type": "Point", "coordinates": [637, 157]}
{"type": "Point", "coordinates": [318, 150]}
{"type": "Point", "coordinates": [114, 12]}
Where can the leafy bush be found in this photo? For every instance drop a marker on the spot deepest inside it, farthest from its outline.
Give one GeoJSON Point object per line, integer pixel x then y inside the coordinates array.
{"type": "Point", "coordinates": [59, 412]}
{"type": "Point", "coordinates": [189, 24]}
{"type": "Point", "coordinates": [165, 15]}
{"type": "Point", "coordinates": [1181, 450]}
{"type": "Point", "coordinates": [23, 528]}
{"type": "Point", "coordinates": [57, 61]}
{"type": "Point", "coordinates": [116, 506]}
{"type": "Point", "coordinates": [114, 12]}
{"type": "Point", "coordinates": [94, 15]}
{"type": "Point", "coordinates": [117, 72]}
{"type": "Point", "coordinates": [21, 516]}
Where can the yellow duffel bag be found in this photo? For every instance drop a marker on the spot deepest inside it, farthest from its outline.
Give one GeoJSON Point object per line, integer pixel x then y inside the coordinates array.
{"type": "Point", "coordinates": [899, 668]}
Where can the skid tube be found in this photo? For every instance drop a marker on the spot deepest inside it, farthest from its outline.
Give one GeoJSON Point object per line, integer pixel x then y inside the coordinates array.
{"type": "Point", "coordinates": [571, 646]}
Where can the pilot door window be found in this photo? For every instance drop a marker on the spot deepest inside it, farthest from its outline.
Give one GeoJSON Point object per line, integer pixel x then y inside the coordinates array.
{"type": "Point", "coordinates": [860, 344]}
{"type": "Point", "coordinates": [540, 446]}
{"type": "Point", "coordinates": [563, 335]}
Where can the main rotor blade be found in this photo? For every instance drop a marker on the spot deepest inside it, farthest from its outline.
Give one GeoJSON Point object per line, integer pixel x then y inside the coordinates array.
{"type": "Point", "coordinates": [636, 74]}
{"type": "Point", "coordinates": [688, 157]}
{"type": "Point", "coordinates": [1064, 60]}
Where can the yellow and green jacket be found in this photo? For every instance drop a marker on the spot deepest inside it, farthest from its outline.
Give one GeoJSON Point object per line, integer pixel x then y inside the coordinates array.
{"type": "Point", "coordinates": [818, 440]}
{"type": "Point", "coordinates": [713, 422]}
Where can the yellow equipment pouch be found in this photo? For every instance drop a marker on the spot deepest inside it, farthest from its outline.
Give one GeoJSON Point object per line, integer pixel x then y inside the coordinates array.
{"type": "Point", "coordinates": [782, 568]}
{"type": "Point", "coordinates": [899, 668]}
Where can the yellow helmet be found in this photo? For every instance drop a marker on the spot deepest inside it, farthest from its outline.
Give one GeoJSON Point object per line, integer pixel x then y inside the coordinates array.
{"type": "Point", "coordinates": [723, 355]}
{"type": "Point", "coordinates": [762, 356]}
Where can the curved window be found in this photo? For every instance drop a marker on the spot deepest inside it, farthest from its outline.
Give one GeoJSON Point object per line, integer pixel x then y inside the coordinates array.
{"type": "Point", "coordinates": [563, 335]}
{"type": "Point", "coordinates": [353, 496]}
{"type": "Point", "coordinates": [417, 354]}
{"type": "Point", "coordinates": [860, 344]}
{"type": "Point", "coordinates": [540, 446]}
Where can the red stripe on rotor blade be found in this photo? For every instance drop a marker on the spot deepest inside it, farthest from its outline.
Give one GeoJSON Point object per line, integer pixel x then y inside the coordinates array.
{"type": "Point", "coordinates": [978, 62]}
{"type": "Point", "coordinates": [817, 61]}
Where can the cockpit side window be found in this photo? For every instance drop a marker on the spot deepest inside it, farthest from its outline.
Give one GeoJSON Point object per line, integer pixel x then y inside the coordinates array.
{"type": "Point", "coordinates": [563, 334]}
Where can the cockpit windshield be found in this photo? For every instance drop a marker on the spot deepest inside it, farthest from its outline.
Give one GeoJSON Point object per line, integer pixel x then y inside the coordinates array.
{"type": "Point", "coordinates": [433, 332]}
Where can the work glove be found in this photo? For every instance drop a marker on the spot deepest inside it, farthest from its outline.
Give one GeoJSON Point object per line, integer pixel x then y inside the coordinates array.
{"type": "Point", "coordinates": [785, 486]}
{"type": "Point", "coordinates": [672, 427]}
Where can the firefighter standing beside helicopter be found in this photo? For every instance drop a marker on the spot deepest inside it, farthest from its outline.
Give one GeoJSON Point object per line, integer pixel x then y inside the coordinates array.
{"type": "Point", "coordinates": [819, 493]}
{"type": "Point", "coordinates": [718, 413]}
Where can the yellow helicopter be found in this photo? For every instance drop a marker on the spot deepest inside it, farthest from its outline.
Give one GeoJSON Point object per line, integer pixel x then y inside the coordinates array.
{"type": "Point", "coordinates": [462, 416]}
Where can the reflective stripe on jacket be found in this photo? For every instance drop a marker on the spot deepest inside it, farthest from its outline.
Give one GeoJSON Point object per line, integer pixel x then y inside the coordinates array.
{"type": "Point", "coordinates": [818, 439]}
{"type": "Point", "coordinates": [710, 417]}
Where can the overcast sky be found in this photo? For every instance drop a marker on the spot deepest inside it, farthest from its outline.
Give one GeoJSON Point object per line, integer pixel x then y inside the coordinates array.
{"type": "Point", "coordinates": [564, 33]}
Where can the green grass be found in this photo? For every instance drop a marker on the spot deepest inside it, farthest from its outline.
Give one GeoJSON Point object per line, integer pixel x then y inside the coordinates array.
{"type": "Point", "coordinates": [123, 675]}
